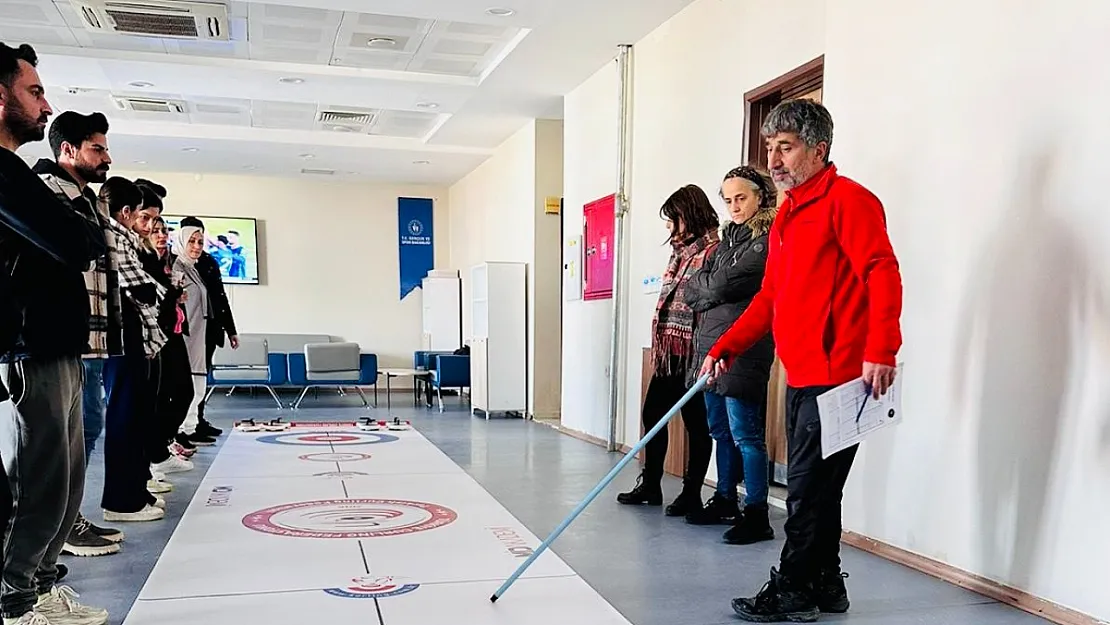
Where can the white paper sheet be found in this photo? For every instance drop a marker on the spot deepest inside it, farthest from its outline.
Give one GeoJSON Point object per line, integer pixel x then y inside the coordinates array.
{"type": "Point", "coordinates": [849, 414]}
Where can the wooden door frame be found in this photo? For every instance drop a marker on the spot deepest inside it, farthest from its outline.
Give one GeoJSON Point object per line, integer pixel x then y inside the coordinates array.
{"type": "Point", "coordinates": [757, 103]}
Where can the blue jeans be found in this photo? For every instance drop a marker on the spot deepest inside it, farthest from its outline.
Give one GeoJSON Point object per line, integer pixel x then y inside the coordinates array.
{"type": "Point", "coordinates": [93, 403]}
{"type": "Point", "coordinates": [739, 428]}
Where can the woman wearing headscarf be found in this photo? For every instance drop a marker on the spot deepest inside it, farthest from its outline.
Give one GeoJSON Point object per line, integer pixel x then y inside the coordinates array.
{"type": "Point", "coordinates": [692, 224]}
{"type": "Point", "coordinates": [737, 400]}
{"type": "Point", "coordinates": [189, 243]}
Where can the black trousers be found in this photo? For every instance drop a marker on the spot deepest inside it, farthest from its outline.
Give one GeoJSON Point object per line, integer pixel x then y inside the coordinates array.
{"type": "Point", "coordinates": [210, 349]}
{"type": "Point", "coordinates": [815, 491]}
{"type": "Point", "coordinates": [131, 382]}
{"type": "Point", "coordinates": [662, 394]}
{"type": "Point", "coordinates": [174, 392]}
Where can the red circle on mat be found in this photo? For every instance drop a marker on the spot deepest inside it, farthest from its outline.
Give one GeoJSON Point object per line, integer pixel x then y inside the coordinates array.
{"type": "Point", "coordinates": [350, 518]}
{"type": "Point", "coordinates": [327, 438]}
{"type": "Point", "coordinates": [338, 456]}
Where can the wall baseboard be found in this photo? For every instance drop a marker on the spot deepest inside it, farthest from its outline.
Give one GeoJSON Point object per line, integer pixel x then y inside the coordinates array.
{"type": "Point", "coordinates": [987, 587]}
{"type": "Point", "coordinates": [945, 572]}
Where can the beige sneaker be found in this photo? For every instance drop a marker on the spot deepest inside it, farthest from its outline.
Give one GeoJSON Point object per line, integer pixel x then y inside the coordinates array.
{"type": "Point", "coordinates": [158, 487]}
{"type": "Point", "coordinates": [60, 607]}
{"type": "Point", "coordinates": [149, 513]}
{"type": "Point", "coordinates": [30, 618]}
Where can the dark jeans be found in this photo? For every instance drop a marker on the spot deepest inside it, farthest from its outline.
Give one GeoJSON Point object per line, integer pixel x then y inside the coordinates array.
{"type": "Point", "coordinates": [174, 392]}
{"type": "Point", "coordinates": [42, 444]}
{"type": "Point", "coordinates": [210, 350]}
{"type": "Point", "coordinates": [662, 394]}
{"type": "Point", "coordinates": [93, 402]}
{"type": "Point", "coordinates": [739, 428]}
{"type": "Point", "coordinates": [815, 491]}
{"type": "Point", "coordinates": [131, 401]}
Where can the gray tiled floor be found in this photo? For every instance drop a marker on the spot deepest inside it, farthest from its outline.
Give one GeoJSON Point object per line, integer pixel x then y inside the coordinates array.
{"type": "Point", "coordinates": [655, 570]}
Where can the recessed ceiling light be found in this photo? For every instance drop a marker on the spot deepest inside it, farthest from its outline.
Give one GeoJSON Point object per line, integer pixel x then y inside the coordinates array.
{"type": "Point", "coordinates": [500, 12]}
{"type": "Point", "coordinates": [427, 105]}
{"type": "Point", "coordinates": [249, 167]}
{"type": "Point", "coordinates": [291, 81]}
{"type": "Point", "coordinates": [421, 162]}
{"type": "Point", "coordinates": [308, 157]}
{"type": "Point", "coordinates": [140, 162]}
{"type": "Point", "coordinates": [342, 129]}
{"type": "Point", "coordinates": [381, 42]}
{"type": "Point", "coordinates": [141, 84]}
{"type": "Point", "coordinates": [190, 149]}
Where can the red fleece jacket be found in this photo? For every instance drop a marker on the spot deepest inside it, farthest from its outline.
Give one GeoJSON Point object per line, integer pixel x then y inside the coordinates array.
{"type": "Point", "coordinates": [832, 292]}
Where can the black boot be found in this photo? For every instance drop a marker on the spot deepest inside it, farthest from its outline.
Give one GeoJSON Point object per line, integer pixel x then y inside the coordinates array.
{"type": "Point", "coordinates": [719, 511]}
{"type": "Point", "coordinates": [207, 429]}
{"type": "Point", "coordinates": [753, 526]}
{"type": "Point", "coordinates": [830, 592]}
{"type": "Point", "coordinates": [642, 494]}
{"type": "Point", "coordinates": [780, 601]}
{"type": "Point", "coordinates": [687, 501]}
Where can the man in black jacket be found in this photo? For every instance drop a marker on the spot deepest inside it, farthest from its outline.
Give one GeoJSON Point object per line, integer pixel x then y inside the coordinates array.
{"type": "Point", "coordinates": [45, 248]}
{"type": "Point", "coordinates": [222, 323]}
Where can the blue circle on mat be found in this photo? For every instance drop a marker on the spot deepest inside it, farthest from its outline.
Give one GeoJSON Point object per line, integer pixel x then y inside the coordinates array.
{"type": "Point", "coordinates": [362, 438]}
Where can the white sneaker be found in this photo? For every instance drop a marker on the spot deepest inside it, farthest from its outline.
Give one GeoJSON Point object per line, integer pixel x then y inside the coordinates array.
{"type": "Point", "coordinates": [173, 464]}
{"type": "Point", "coordinates": [60, 607]}
{"type": "Point", "coordinates": [149, 513]}
{"type": "Point", "coordinates": [158, 487]}
{"type": "Point", "coordinates": [30, 618]}
{"type": "Point", "coordinates": [159, 502]}
{"type": "Point", "coordinates": [157, 475]}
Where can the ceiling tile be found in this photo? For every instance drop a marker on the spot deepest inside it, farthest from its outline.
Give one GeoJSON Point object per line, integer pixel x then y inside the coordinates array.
{"type": "Point", "coordinates": [41, 12]}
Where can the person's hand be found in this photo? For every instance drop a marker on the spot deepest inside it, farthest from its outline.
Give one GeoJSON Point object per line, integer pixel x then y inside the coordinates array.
{"type": "Point", "coordinates": [235, 342]}
{"type": "Point", "coordinates": [878, 378]}
{"type": "Point", "coordinates": [715, 368]}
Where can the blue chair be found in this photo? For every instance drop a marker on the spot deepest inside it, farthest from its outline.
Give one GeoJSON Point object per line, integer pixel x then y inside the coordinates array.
{"type": "Point", "coordinates": [337, 365]}
{"type": "Point", "coordinates": [251, 365]}
{"type": "Point", "coordinates": [449, 371]}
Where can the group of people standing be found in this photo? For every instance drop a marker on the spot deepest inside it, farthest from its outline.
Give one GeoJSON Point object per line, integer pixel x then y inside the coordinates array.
{"type": "Point", "coordinates": [102, 330]}
{"type": "Point", "coordinates": [813, 279]}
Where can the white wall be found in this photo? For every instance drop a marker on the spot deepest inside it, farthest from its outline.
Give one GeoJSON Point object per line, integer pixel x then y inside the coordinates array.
{"type": "Point", "coordinates": [590, 172]}
{"type": "Point", "coordinates": [329, 258]}
{"type": "Point", "coordinates": [497, 215]}
{"type": "Point", "coordinates": [1011, 478]}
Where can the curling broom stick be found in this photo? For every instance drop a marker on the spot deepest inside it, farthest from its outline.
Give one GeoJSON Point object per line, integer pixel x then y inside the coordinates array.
{"type": "Point", "coordinates": [698, 386]}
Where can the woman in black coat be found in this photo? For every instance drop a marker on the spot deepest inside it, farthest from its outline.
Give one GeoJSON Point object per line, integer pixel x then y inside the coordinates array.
{"type": "Point", "coordinates": [737, 402]}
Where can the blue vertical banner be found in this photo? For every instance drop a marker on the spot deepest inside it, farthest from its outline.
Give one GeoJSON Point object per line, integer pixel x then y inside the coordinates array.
{"type": "Point", "coordinates": [415, 246]}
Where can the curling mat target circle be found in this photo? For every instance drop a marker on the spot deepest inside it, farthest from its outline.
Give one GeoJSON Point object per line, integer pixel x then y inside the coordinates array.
{"type": "Point", "coordinates": [369, 587]}
{"type": "Point", "coordinates": [325, 439]}
{"type": "Point", "coordinates": [350, 518]}
{"type": "Point", "coordinates": [336, 456]}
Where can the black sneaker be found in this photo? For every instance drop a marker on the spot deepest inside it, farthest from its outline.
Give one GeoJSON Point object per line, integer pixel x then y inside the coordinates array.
{"type": "Point", "coordinates": [200, 440]}
{"type": "Point", "coordinates": [752, 527]}
{"type": "Point", "coordinates": [687, 501]}
{"type": "Point", "coordinates": [642, 495]}
{"type": "Point", "coordinates": [719, 511]}
{"type": "Point", "coordinates": [780, 601]}
{"type": "Point", "coordinates": [831, 593]}
{"type": "Point", "coordinates": [109, 534]}
{"type": "Point", "coordinates": [183, 440]}
{"type": "Point", "coordinates": [86, 544]}
{"type": "Point", "coordinates": [63, 570]}
{"type": "Point", "coordinates": [209, 430]}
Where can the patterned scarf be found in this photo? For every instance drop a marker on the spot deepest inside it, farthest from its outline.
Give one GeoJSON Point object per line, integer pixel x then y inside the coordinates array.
{"type": "Point", "coordinates": [673, 328]}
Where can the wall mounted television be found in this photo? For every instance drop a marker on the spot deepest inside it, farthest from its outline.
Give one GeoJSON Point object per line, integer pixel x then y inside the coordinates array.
{"type": "Point", "coordinates": [232, 241]}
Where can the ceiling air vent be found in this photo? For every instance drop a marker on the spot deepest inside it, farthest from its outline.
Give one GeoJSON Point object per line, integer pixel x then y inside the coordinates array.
{"type": "Point", "coordinates": [177, 19]}
{"type": "Point", "coordinates": [318, 172]}
{"type": "Point", "coordinates": [345, 118]}
{"type": "Point", "coordinates": [151, 105]}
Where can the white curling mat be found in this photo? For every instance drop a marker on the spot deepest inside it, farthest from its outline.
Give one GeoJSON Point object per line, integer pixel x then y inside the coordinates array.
{"type": "Point", "coordinates": [363, 527]}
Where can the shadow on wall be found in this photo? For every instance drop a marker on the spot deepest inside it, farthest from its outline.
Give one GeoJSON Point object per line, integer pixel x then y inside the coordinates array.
{"type": "Point", "coordinates": [1030, 297]}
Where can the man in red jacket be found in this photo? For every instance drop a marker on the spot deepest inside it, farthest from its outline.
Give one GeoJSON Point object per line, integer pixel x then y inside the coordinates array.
{"type": "Point", "coordinates": [832, 296]}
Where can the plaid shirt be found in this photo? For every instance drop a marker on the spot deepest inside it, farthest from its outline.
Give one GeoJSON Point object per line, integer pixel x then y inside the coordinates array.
{"type": "Point", "coordinates": [101, 281]}
{"type": "Point", "coordinates": [131, 276]}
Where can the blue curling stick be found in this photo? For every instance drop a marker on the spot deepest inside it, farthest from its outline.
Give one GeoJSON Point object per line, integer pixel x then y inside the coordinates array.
{"type": "Point", "coordinates": [697, 387]}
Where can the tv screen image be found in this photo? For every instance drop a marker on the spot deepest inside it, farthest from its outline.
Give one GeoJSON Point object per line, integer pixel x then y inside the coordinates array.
{"type": "Point", "coordinates": [232, 241]}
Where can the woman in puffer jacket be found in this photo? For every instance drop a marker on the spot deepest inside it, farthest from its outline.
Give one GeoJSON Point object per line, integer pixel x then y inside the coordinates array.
{"type": "Point", "coordinates": [737, 402]}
